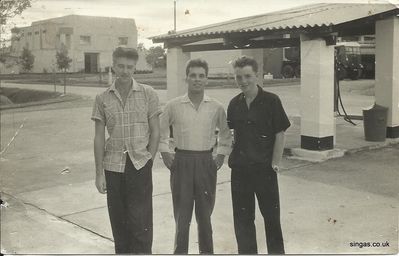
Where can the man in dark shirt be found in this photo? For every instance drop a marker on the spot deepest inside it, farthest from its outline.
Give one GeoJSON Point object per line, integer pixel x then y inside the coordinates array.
{"type": "Point", "coordinates": [259, 122]}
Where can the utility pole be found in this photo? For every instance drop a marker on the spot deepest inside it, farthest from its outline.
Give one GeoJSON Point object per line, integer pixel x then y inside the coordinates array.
{"type": "Point", "coordinates": [109, 75]}
{"type": "Point", "coordinates": [111, 61]}
{"type": "Point", "coordinates": [174, 15]}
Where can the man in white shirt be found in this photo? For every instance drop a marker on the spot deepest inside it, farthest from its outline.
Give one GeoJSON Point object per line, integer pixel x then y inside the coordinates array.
{"type": "Point", "coordinates": [194, 118]}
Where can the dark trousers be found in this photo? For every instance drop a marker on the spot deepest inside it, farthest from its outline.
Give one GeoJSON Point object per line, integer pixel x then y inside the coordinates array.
{"type": "Point", "coordinates": [129, 198]}
{"type": "Point", "coordinates": [193, 179]}
{"type": "Point", "coordinates": [246, 182]}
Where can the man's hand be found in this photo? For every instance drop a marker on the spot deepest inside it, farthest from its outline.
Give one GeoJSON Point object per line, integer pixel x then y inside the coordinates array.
{"type": "Point", "coordinates": [168, 159]}
{"type": "Point", "coordinates": [276, 168]}
{"type": "Point", "coordinates": [100, 183]}
{"type": "Point", "coordinates": [219, 160]}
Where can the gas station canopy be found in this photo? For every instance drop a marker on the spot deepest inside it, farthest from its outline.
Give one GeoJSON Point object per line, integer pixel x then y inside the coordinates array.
{"type": "Point", "coordinates": [282, 28]}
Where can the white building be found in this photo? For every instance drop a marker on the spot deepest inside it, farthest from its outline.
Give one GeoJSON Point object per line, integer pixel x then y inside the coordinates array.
{"type": "Point", "coordinates": [90, 41]}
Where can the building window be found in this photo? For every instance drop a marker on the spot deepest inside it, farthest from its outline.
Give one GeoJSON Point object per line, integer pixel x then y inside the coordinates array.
{"type": "Point", "coordinates": [29, 33]}
{"type": "Point", "coordinates": [122, 40]}
{"type": "Point", "coordinates": [44, 31]}
{"type": "Point", "coordinates": [68, 41]}
{"type": "Point", "coordinates": [85, 40]}
{"type": "Point", "coordinates": [36, 32]}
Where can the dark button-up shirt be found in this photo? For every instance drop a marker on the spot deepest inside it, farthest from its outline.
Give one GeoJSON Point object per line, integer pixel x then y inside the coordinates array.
{"type": "Point", "coordinates": [255, 127]}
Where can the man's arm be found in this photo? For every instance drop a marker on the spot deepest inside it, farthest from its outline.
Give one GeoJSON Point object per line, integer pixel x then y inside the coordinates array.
{"type": "Point", "coordinates": [99, 144]}
{"type": "Point", "coordinates": [278, 150]}
{"type": "Point", "coordinates": [280, 125]}
{"type": "Point", "coordinates": [224, 138]}
{"type": "Point", "coordinates": [154, 135]}
{"type": "Point", "coordinates": [166, 121]}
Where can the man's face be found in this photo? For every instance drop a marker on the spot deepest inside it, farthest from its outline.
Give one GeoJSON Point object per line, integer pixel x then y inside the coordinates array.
{"type": "Point", "coordinates": [124, 68]}
{"type": "Point", "coordinates": [246, 78]}
{"type": "Point", "coordinates": [196, 80]}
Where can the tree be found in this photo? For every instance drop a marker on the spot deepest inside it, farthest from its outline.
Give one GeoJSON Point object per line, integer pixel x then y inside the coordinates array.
{"type": "Point", "coordinates": [63, 62]}
{"type": "Point", "coordinates": [8, 10]}
{"type": "Point", "coordinates": [11, 8]}
{"type": "Point", "coordinates": [140, 47]}
{"type": "Point", "coordinates": [156, 57]}
{"type": "Point", "coordinates": [26, 60]}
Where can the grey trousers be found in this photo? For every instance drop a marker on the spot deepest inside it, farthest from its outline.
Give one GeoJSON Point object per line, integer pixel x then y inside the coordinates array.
{"type": "Point", "coordinates": [193, 182]}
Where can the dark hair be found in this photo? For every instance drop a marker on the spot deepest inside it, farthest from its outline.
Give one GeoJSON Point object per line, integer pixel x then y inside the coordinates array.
{"type": "Point", "coordinates": [246, 61]}
{"type": "Point", "coordinates": [125, 52]}
{"type": "Point", "coordinates": [197, 63]}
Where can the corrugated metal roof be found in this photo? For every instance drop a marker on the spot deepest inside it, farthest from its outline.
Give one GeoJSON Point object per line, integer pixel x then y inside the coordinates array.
{"type": "Point", "coordinates": [308, 16]}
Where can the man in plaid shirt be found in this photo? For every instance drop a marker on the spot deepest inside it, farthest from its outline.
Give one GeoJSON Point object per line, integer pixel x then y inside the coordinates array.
{"type": "Point", "coordinates": [130, 112]}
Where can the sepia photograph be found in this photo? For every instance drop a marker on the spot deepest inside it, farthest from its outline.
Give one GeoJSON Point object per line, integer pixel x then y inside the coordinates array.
{"type": "Point", "coordinates": [199, 127]}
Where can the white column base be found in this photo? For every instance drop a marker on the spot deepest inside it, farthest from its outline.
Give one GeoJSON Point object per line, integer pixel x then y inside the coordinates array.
{"type": "Point", "coordinates": [317, 94]}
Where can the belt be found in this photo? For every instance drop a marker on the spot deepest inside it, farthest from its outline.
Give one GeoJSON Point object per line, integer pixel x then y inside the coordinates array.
{"type": "Point", "coordinates": [194, 151]}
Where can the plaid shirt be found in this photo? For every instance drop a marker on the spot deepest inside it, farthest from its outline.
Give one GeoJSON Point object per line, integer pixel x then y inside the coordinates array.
{"type": "Point", "coordinates": [127, 126]}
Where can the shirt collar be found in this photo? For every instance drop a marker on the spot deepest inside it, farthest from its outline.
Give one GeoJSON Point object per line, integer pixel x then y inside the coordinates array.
{"type": "Point", "coordinates": [186, 99]}
{"type": "Point", "coordinates": [260, 90]}
{"type": "Point", "coordinates": [135, 86]}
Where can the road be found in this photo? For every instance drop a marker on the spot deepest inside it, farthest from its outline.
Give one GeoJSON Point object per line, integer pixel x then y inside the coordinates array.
{"type": "Point", "coordinates": [354, 100]}
{"type": "Point", "coordinates": [47, 179]}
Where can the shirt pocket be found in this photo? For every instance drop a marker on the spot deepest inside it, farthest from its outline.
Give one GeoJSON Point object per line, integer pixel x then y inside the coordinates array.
{"type": "Point", "coordinates": [111, 111]}
{"type": "Point", "coordinates": [138, 105]}
{"type": "Point", "coordinates": [139, 124]}
{"type": "Point", "coordinates": [241, 123]}
{"type": "Point", "coordinates": [265, 141]}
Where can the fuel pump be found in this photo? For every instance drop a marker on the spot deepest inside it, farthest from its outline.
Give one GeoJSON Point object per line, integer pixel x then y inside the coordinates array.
{"type": "Point", "coordinates": [337, 93]}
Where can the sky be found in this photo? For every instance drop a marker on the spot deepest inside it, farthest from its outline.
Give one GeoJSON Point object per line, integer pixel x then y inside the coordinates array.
{"type": "Point", "coordinates": [155, 17]}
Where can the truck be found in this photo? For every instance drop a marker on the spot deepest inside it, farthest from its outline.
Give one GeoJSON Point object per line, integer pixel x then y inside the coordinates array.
{"type": "Point", "coordinates": [349, 61]}
{"type": "Point", "coordinates": [367, 55]}
{"type": "Point", "coordinates": [291, 66]}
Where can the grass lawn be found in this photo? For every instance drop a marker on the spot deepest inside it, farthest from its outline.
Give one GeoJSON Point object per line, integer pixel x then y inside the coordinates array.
{"type": "Point", "coordinates": [157, 79]}
{"type": "Point", "coordinates": [15, 97]}
{"type": "Point", "coordinates": [18, 96]}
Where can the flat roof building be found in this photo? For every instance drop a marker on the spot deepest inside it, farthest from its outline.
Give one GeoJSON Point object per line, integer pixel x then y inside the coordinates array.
{"type": "Point", "coordinates": [90, 41]}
